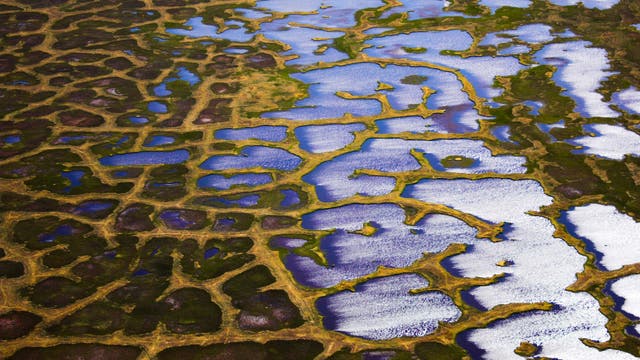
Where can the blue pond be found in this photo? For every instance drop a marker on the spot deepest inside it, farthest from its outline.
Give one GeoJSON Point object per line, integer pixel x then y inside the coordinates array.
{"type": "Point", "coordinates": [291, 198]}
{"type": "Point", "coordinates": [62, 230]}
{"type": "Point", "coordinates": [265, 133]}
{"type": "Point", "coordinates": [159, 140]}
{"type": "Point", "coordinates": [183, 74]}
{"type": "Point", "coordinates": [161, 90]}
{"type": "Point", "coordinates": [247, 201]}
{"type": "Point", "coordinates": [146, 158]}
{"type": "Point", "coordinates": [254, 156]}
{"type": "Point", "coordinates": [74, 178]}
{"type": "Point", "coordinates": [176, 219]}
{"type": "Point", "coordinates": [89, 207]}
{"type": "Point", "coordinates": [326, 138]}
{"type": "Point", "coordinates": [188, 76]}
{"type": "Point", "coordinates": [209, 253]}
{"type": "Point", "coordinates": [138, 120]}
{"type": "Point", "coordinates": [199, 29]}
{"type": "Point", "coordinates": [221, 182]}
{"type": "Point", "coordinates": [141, 272]}
{"type": "Point", "coordinates": [11, 139]}
{"type": "Point", "coordinates": [236, 50]}
{"type": "Point", "coordinates": [158, 107]}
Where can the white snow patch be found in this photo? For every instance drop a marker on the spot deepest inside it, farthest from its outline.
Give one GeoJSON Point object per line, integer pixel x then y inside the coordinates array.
{"type": "Point", "coordinates": [543, 266]}
{"type": "Point", "coordinates": [383, 308]}
{"type": "Point", "coordinates": [422, 9]}
{"type": "Point", "coordinates": [395, 244]}
{"type": "Point", "coordinates": [581, 69]}
{"type": "Point", "coordinates": [324, 13]}
{"type": "Point", "coordinates": [363, 79]}
{"type": "Point", "coordinates": [591, 4]}
{"type": "Point", "coordinates": [335, 179]}
{"type": "Point", "coordinates": [610, 141]}
{"type": "Point", "coordinates": [628, 288]}
{"type": "Point", "coordinates": [458, 121]}
{"type": "Point", "coordinates": [615, 236]}
{"type": "Point", "coordinates": [325, 138]}
{"type": "Point", "coordinates": [303, 42]}
{"type": "Point", "coordinates": [628, 99]}
{"type": "Point", "coordinates": [514, 50]}
{"type": "Point", "coordinates": [496, 4]}
{"type": "Point", "coordinates": [479, 70]}
{"type": "Point", "coordinates": [532, 33]}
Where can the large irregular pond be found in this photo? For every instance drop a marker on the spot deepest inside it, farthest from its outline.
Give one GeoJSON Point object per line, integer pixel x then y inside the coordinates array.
{"type": "Point", "coordinates": [326, 179]}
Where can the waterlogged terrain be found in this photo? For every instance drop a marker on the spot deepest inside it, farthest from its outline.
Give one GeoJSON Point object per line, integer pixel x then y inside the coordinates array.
{"type": "Point", "coordinates": [286, 179]}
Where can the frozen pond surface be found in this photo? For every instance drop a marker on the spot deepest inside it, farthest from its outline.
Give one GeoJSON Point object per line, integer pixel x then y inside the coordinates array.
{"type": "Point", "coordinates": [283, 242]}
{"type": "Point", "coordinates": [609, 141]}
{"type": "Point", "coordinates": [159, 140]}
{"type": "Point", "coordinates": [614, 237]}
{"type": "Point", "coordinates": [325, 13]}
{"type": "Point", "coordinates": [146, 158]}
{"type": "Point", "coordinates": [304, 42]}
{"type": "Point", "coordinates": [628, 99]}
{"type": "Point", "coordinates": [221, 182]}
{"type": "Point", "coordinates": [581, 69]}
{"type": "Point", "coordinates": [501, 133]}
{"type": "Point", "coordinates": [264, 133]}
{"type": "Point", "coordinates": [196, 28]}
{"type": "Point", "coordinates": [329, 89]}
{"type": "Point", "coordinates": [335, 180]}
{"type": "Point", "coordinates": [628, 288]}
{"type": "Point", "coordinates": [480, 70]}
{"type": "Point", "coordinates": [496, 4]}
{"type": "Point", "coordinates": [531, 33]}
{"type": "Point", "coordinates": [394, 244]}
{"type": "Point", "coordinates": [383, 308]}
{"type": "Point", "coordinates": [254, 156]}
{"type": "Point", "coordinates": [421, 9]}
{"type": "Point", "coordinates": [591, 4]}
{"type": "Point", "coordinates": [548, 127]}
{"type": "Point", "coordinates": [462, 121]}
{"type": "Point", "coordinates": [534, 276]}
{"type": "Point", "coordinates": [326, 138]}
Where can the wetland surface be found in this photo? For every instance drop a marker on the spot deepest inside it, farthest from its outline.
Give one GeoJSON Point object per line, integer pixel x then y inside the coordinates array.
{"type": "Point", "coordinates": [322, 179]}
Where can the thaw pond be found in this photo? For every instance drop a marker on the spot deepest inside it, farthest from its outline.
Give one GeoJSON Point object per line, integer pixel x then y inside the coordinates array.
{"type": "Point", "coordinates": [628, 100]}
{"type": "Point", "coordinates": [383, 308]}
{"type": "Point", "coordinates": [535, 275]}
{"type": "Point", "coordinates": [608, 141]}
{"type": "Point", "coordinates": [196, 28]}
{"type": "Point", "coordinates": [574, 60]}
{"type": "Point", "coordinates": [333, 94]}
{"type": "Point", "coordinates": [351, 254]}
{"type": "Point", "coordinates": [221, 182]}
{"type": "Point", "coordinates": [254, 156]}
{"type": "Point", "coordinates": [264, 133]}
{"type": "Point", "coordinates": [326, 138]}
{"type": "Point", "coordinates": [627, 289]}
{"type": "Point", "coordinates": [479, 70]}
{"type": "Point", "coordinates": [614, 238]}
{"type": "Point", "coordinates": [146, 158]}
{"type": "Point", "coordinates": [337, 178]}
